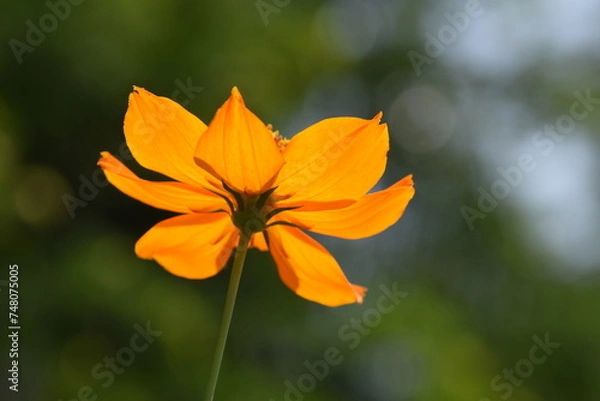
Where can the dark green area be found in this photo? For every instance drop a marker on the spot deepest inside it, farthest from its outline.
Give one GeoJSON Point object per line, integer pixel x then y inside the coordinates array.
{"type": "Point", "coordinates": [475, 297]}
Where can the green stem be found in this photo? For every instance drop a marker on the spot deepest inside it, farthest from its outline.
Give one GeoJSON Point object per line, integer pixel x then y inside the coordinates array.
{"type": "Point", "coordinates": [234, 283]}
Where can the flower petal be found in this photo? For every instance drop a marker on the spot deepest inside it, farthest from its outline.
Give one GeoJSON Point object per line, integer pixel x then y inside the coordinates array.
{"type": "Point", "coordinates": [258, 241]}
{"type": "Point", "coordinates": [167, 195]}
{"type": "Point", "coordinates": [368, 216]}
{"type": "Point", "coordinates": [337, 158]}
{"type": "Point", "coordinates": [309, 270]}
{"type": "Point", "coordinates": [162, 136]}
{"type": "Point", "coordinates": [193, 246]}
{"type": "Point", "coordinates": [238, 148]}
{"type": "Point", "coordinates": [310, 205]}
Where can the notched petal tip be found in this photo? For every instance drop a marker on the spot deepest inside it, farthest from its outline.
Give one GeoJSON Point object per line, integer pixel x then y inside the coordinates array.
{"type": "Point", "coordinates": [140, 96]}
{"type": "Point", "coordinates": [103, 155]}
{"type": "Point", "coordinates": [360, 292]}
{"type": "Point", "coordinates": [107, 161]}
{"type": "Point", "coordinates": [405, 182]}
{"type": "Point", "coordinates": [235, 93]}
{"type": "Point", "coordinates": [111, 165]}
{"type": "Point", "coordinates": [142, 252]}
{"type": "Point", "coordinates": [378, 117]}
{"type": "Point", "coordinates": [138, 91]}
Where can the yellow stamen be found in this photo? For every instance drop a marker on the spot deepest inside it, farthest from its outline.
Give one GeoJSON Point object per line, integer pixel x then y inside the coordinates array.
{"type": "Point", "coordinates": [279, 140]}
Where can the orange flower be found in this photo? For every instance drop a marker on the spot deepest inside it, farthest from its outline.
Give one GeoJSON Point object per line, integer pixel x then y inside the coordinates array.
{"type": "Point", "coordinates": [237, 177]}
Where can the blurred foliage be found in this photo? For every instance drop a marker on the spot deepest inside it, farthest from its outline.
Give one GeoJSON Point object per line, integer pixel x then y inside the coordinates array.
{"type": "Point", "coordinates": [475, 298]}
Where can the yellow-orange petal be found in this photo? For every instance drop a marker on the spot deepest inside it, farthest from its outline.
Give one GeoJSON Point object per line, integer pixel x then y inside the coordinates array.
{"type": "Point", "coordinates": [238, 148]}
{"type": "Point", "coordinates": [309, 270]}
{"type": "Point", "coordinates": [311, 205]}
{"type": "Point", "coordinates": [368, 216]}
{"type": "Point", "coordinates": [167, 195]}
{"type": "Point", "coordinates": [337, 158]}
{"type": "Point", "coordinates": [258, 241]}
{"type": "Point", "coordinates": [194, 246]}
{"type": "Point", "coordinates": [162, 136]}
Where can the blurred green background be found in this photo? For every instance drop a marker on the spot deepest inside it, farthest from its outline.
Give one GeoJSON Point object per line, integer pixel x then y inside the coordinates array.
{"type": "Point", "coordinates": [492, 105]}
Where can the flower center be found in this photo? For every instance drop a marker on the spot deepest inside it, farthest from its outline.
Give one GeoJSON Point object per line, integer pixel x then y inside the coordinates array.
{"type": "Point", "coordinates": [251, 213]}
{"type": "Point", "coordinates": [249, 216]}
